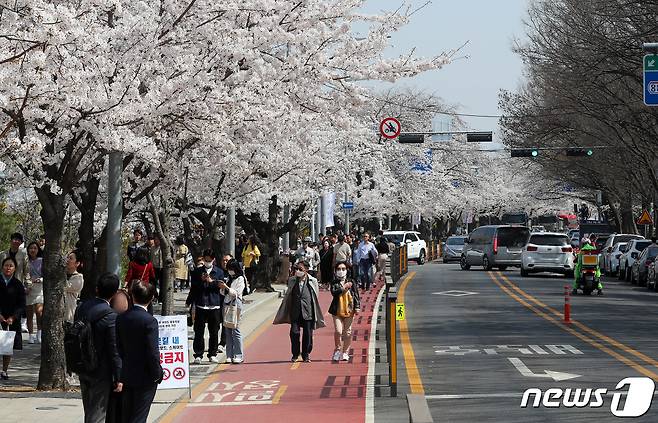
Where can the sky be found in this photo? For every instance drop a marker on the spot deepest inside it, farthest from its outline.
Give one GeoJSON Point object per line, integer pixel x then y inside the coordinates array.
{"type": "Point", "coordinates": [488, 63]}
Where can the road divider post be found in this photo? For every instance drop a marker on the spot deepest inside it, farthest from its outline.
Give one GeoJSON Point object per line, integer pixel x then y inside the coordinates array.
{"type": "Point", "coordinates": [567, 304]}
{"type": "Point", "coordinates": [391, 346]}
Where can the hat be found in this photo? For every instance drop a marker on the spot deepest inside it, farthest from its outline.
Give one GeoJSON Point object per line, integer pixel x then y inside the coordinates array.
{"type": "Point", "coordinates": [308, 239]}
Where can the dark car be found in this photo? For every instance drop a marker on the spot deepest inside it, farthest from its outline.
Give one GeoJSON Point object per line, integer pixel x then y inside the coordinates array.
{"type": "Point", "coordinates": [640, 269]}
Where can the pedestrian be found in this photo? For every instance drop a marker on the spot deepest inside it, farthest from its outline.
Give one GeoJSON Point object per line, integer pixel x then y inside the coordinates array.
{"type": "Point", "coordinates": [354, 245]}
{"type": "Point", "coordinates": [233, 290]}
{"type": "Point", "coordinates": [344, 306]}
{"type": "Point", "coordinates": [366, 257]}
{"type": "Point", "coordinates": [140, 268]}
{"type": "Point", "coordinates": [383, 250]}
{"type": "Point", "coordinates": [240, 245]}
{"type": "Point", "coordinates": [180, 264]}
{"type": "Point", "coordinates": [42, 244]}
{"type": "Point", "coordinates": [156, 258]}
{"type": "Point", "coordinates": [326, 263]}
{"type": "Point", "coordinates": [20, 257]}
{"type": "Point", "coordinates": [97, 385]}
{"type": "Point", "coordinates": [34, 292]}
{"type": "Point", "coordinates": [342, 250]}
{"type": "Point", "coordinates": [120, 303]}
{"type": "Point", "coordinates": [137, 342]}
{"type": "Point", "coordinates": [206, 299]}
{"type": "Point", "coordinates": [12, 306]}
{"type": "Point", "coordinates": [222, 333]}
{"type": "Point", "coordinates": [313, 259]}
{"type": "Point", "coordinates": [250, 258]}
{"type": "Point", "coordinates": [301, 309]}
{"type": "Point", "coordinates": [74, 284]}
{"type": "Point", "coordinates": [135, 244]}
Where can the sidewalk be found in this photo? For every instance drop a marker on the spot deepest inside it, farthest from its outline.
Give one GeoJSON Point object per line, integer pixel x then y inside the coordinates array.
{"type": "Point", "coordinates": [21, 403]}
{"type": "Point", "coordinates": [268, 387]}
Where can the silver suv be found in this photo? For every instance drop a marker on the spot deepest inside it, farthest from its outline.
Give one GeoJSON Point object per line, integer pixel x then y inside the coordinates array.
{"type": "Point", "coordinates": [494, 246]}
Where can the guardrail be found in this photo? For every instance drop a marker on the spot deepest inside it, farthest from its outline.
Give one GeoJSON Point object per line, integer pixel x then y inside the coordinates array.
{"type": "Point", "coordinates": [399, 265]}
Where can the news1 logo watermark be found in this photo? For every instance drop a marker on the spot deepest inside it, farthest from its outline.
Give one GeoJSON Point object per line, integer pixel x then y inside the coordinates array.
{"type": "Point", "coordinates": [638, 390]}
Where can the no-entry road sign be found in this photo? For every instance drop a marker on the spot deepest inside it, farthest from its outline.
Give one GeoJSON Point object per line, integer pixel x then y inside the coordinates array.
{"type": "Point", "coordinates": [390, 128]}
{"type": "Point", "coordinates": [651, 80]}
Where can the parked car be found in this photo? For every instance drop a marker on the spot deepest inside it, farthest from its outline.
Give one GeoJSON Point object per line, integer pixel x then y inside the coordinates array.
{"type": "Point", "coordinates": [575, 241]}
{"type": "Point", "coordinates": [547, 252]}
{"type": "Point", "coordinates": [652, 276]}
{"type": "Point", "coordinates": [633, 250]}
{"type": "Point", "coordinates": [416, 247]}
{"type": "Point", "coordinates": [607, 248]}
{"type": "Point", "coordinates": [640, 269]}
{"type": "Point", "coordinates": [452, 250]}
{"type": "Point", "coordinates": [538, 229]}
{"type": "Point", "coordinates": [494, 246]}
{"type": "Point", "coordinates": [611, 258]}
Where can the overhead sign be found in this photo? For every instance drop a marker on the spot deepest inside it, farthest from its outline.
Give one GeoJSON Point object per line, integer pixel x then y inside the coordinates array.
{"type": "Point", "coordinates": [348, 205]}
{"type": "Point", "coordinates": [651, 80]}
{"type": "Point", "coordinates": [390, 128]}
{"type": "Point", "coordinates": [174, 352]}
{"type": "Point", "coordinates": [399, 311]}
{"type": "Point", "coordinates": [645, 219]}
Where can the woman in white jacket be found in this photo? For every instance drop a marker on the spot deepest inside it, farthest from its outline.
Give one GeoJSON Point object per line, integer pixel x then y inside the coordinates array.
{"type": "Point", "coordinates": [232, 291]}
{"type": "Point", "coordinates": [74, 284]}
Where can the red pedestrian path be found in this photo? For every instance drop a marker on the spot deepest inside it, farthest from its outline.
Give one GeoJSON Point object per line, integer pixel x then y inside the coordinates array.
{"type": "Point", "coordinates": [267, 387]}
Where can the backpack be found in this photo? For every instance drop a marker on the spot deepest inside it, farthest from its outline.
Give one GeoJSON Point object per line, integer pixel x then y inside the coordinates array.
{"type": "Point", "coordinates": [79, 349]}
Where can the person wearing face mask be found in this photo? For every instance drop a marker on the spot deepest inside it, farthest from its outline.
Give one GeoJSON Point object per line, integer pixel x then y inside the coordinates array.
{"type": "Point", "coordinates": [326, 263]}
{"type": "Point", "coordinates": [206, 298]}
{"type": "Point", "coordinates": [232, 290]}
{"type": "Point", "coordinates": [344, 306]}
{"type": "Point", "coordinates": [301, 309]}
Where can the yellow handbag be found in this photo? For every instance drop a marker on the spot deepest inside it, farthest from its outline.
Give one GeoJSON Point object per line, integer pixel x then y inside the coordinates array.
{"type": "Point", "coordinates": [345, 304]}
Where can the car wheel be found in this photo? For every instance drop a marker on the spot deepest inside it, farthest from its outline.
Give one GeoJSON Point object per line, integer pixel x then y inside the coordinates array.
{"type": "Point", "coordinates": [421, 257]}
{"type": "Point", "coordinates": [524, 273]}
{"type": "Point", "coordinates": [463, 264]}
{"type": "Point", "coordinates": [486, 264]}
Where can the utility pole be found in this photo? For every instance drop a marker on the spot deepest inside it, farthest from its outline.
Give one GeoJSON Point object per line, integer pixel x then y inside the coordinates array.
{"type": "Point", "coordinates": [285, 244]}
{"type": "Point", "coordinates": [114, 212]}
{"type": "Point", "coordinates": [318, 220]}
{"type": "Point", "coordinates": [230, 231]}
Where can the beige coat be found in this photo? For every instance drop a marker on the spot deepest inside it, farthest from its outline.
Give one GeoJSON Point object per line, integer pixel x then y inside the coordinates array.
{"type": "Point", "coordinates": [283, 315]}
{"type": "Point", "coordinates": [179, 262]}
{"type": "Point", "coordinates": [72, 291]}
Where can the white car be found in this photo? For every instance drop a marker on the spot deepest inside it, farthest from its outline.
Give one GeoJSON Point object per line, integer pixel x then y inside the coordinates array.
{"type": "Point", "coordinates": [416, 247]}
{"type": "Point", "coordinates": [607, 248]}
{"type": "Point", "coordinates": [633, 250]}
{"type": "Point", "coordinates": [547, 252]}
{"type": "Point", "coordinates": [611, 258]}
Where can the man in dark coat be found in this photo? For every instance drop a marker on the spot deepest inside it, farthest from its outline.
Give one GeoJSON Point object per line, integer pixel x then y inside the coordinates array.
{"type": "Point", "coordinates": [95, 387]}
{"type": "Point", "coordinates": [137, 333]}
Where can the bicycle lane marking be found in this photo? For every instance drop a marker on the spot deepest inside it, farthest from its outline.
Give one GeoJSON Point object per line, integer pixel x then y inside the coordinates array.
{"type": "Point", "coordinates": [274, 392]}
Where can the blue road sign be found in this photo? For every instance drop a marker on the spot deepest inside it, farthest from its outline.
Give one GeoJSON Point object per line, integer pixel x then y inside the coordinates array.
{"type": "Point", "coordinates": [348, 206]}
{"type": "Point", "coordinates": [651, 80]}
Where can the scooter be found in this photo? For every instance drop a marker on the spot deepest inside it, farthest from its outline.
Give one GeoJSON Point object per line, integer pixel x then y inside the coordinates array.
{"type": "Point", "coordinates": [588, 282]}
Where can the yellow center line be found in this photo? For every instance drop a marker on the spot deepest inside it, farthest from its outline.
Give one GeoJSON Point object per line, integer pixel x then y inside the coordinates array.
{"type": "Point", "coordinates": [171, 414]}
{"type": "Point", "coordinates": [415, 381]}
{"type": "Point", "coordinates": [583, 327]}
{"type": "Point", "coordinates": [279, 394]}
{"type": "Point", "coordinates": [640, 369]}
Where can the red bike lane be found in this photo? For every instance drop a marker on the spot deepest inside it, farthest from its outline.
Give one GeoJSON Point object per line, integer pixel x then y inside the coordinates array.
{"type": "Point", "coordinates": [267, 387]}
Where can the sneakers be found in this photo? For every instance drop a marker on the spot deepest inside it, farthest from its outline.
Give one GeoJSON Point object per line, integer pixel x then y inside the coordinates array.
{"type": "Point", "coordinates": [32, 339]}
{"type": "Point", "coordinates": [220, 349]}
{"type": "Point", "coordinates": [4, 375]}
{"type": "Point", "coordinates": [238, 359]}
{"type": "Point", "coordinates": [214, 359]}
{"type": "Point", "coordinates": [294, 359]}
{"type": "Point", "coordinates": [346, 357]}
{"type": "Point", "coordinates": [197, 360]}
{"type": "Point", "coordinates": [336, 356]}
{"type": "Point", "coordinates": [229, 361]}
{"type": "Point", "coordinates": [307, 360]}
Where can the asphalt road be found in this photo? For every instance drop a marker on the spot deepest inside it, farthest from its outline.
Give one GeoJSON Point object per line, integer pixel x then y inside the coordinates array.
{"type": "Point", "coordinates": [481, 339]}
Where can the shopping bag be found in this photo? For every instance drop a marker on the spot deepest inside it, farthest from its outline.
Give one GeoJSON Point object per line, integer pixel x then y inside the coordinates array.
{"type": "Point", "coordinates": [345, 304]}
{"type": "Point", "coordinates": [7, 342]}
{"type": "Point", "coordinates": [231, 316]}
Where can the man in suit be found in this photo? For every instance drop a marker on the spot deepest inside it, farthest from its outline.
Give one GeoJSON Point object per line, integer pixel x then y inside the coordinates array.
{"type": "Point", "coordinates": [137, 333]}
{"type": "Point", "coordinates": [207, 300]}
{"type": "Point", "coordinates": [96, 386]}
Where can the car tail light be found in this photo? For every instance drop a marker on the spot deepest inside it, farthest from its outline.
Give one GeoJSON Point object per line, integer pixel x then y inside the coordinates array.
{"type": "Point", "coordinates": [495, 244]}
{"type": "Point", "coordinates": [567, 250]}
{"type": "Point", "coordinates": [531, 248]}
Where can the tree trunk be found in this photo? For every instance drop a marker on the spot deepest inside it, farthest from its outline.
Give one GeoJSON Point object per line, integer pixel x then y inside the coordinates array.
{"type": "Point", "coordinates": [162, 228]}
{"type": "Point", "coordinates": [53, 363]}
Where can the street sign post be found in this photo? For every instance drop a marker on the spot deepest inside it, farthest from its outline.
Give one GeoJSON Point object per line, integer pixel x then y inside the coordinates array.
{"type": "Point", "coordinates": [390, 128]}
{"type": "Point", "coordinates": [645, 219]}
{"type": "Point", "coordinates": [348, 205]}
{"type": "Point", "coordinates": [651, 80]}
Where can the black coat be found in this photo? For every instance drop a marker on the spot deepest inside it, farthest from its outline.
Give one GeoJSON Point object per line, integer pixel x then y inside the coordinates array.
{"type": "Point", "coordinates": [137, 341]}
{"type": "Point", "coordinates": [12, 298]}
{"type": "Point", "coordinates": [105, 338]}
{"type": "Point", "coordinates": [206, 294]}
{"type": "Point", "coordinates": [337, 291]}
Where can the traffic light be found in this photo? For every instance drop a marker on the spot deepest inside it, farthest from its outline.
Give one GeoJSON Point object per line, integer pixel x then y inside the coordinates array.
{"type": "Point", "coordinates": [525, 152]}
{"type": "Point", "coordinates": [479, 137]}
{"type": "Point", "coordinates": [411, 138]}
{"type": "Point", "coordinates": [580, 152]}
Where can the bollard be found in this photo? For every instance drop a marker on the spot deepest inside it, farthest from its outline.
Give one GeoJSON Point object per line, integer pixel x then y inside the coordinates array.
{"type": "Point", "coordinates": [391, 300]}
{"type": "Point", "coordinates": [567, 304]}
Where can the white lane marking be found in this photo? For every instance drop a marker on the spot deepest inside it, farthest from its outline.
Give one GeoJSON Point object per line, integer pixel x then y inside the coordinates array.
{"type": "Point", "coordinates": [370, 388]}
{"type": "Point", "coordinates": [455, 293]}
{"type": "Point", "coordinates": [475, 396]}
{"type": "Point", "coordinates": [525, 371]}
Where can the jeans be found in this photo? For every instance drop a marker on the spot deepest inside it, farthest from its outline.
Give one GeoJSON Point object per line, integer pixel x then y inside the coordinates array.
{"type": "Point", "coordinates": [234, 344]}
{"type": "Point", "coordinates": [364, 274]}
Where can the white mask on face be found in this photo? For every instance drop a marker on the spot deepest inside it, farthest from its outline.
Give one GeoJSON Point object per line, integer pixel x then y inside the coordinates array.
{"type": "Point", "coordinates": [231, 273]}
{"type": "Point", "coordinates": [341, 274]}
{"type": "Point", "coordinates": [299, 273]}
{"type": "Point", "coordinates": [207, 264]}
